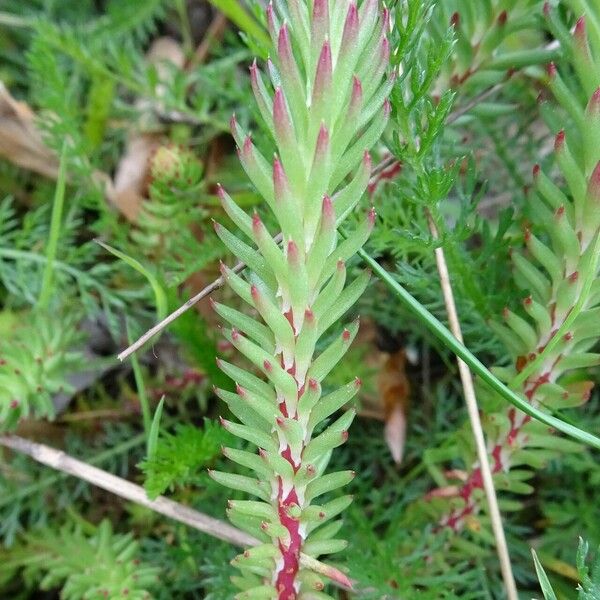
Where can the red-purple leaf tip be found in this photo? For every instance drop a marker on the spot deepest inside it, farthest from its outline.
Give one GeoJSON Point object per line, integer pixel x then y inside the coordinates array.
{"type": "Point", "coordinates": [324, 70]}
{"type": "Point", "coordinates": [580, 28]}
{"type": "Point", "coordinates": [350, 34]}
{"type": "Point", "coordinates": [385, 50]}
{"type": "Point", "coordinates": [386, 19]}
{"type": "Point", "coordinates": [546, 9]}
{"type": "Point", "coordinates": [280, 183]}
{"type": "Point", "coordinates": [292, 252]}
{"type": "Point", "coordinates": [387, 108]}
{"type": "Point", "coordinates": [247, 149]}
{"type": "Point", "coordinates": [594, 184]}
{"type": "Point", "coordinates": [357, 91]}
{"type": "Point", "coordinates": [281, 118]}
{"type": "Point", "coordinates": [371, 215]}
{"type": "Point", "coordinates": [594, 105]}
{"type": "Point", "coordinates": [327, 210]}
{"type": "Point", "coordinates": [254, 70]}
{"type": "Point", "coordinates": [320, 11]}
{"type": "Point", "coordinates": [284, 50]}
{"type": "Point", "coordinates": [270, 18]}
{"type": "Point", "coordinates": [322, 143]}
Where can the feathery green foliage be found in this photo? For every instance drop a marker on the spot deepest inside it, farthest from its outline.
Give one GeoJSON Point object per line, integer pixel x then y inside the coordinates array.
{"type": "Point", "coordinates": [589, 586]}
{"type": "Point", "coordinates": [179, 457]}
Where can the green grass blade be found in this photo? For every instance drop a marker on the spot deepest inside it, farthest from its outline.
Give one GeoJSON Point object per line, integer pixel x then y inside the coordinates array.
{"type": "Point", "coordinates": [54, 235]}
{"type": "Point", "coordinates": [160, 297]}
{"type": "Point", "coordinates": [446, 337]}
{"type": "Point", "coordinates": [543, 578]}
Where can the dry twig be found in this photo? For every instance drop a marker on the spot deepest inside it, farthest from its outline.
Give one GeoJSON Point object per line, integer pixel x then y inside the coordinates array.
{"type": "Point", "coordinates": [59, 460]}
{"type": "Point", "coordinates": [215, 285]}
{"type": "Point", "coordinates": [473, 410]}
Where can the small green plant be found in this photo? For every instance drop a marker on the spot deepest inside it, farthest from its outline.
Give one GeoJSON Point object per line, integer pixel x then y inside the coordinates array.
{"type": "Point", "coordinates": [554, 332]}
{"type": "Point", "coordinates": [91, 566]}
{"type": "Point", "coordinates": [37, 354]}
{"type": "Point", "coordinates": [176, 179]}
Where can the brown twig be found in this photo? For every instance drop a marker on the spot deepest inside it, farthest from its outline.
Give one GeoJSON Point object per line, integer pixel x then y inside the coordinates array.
{"type": "Point", "coordinates": [215, 285]}
{"type": "Point", "coordinates": [61, 461]}
{"type": "Point", "coordinates": [473, 410]}
{"type": "Point", "coordinates": [215, 31]}
{"type": "Point", "coordinates": [209, 289]}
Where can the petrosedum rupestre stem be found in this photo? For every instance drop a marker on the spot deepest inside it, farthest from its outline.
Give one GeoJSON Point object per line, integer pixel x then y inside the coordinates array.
{"type": "Point", "coordinates": [324, 102]}
{"type": "Point", "coordinates": [558, 324]}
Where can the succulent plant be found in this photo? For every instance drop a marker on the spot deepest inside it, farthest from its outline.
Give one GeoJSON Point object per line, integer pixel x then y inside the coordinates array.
{"type": "Point", "coordinates": [557, 326]}
{"type": "Point", "coordinates": [325, 106]}
{"type": "Point", "coordinates": [37, 355]}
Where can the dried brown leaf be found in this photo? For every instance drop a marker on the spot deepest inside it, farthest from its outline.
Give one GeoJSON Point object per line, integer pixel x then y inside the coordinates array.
{"type": "Point", "coordinates": [20, 141]}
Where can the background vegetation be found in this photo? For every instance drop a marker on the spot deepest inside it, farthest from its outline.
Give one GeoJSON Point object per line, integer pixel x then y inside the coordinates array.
{"type": "Point", "coordinates": [114, 131]}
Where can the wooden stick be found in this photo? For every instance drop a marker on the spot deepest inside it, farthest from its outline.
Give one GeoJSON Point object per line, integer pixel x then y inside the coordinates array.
{"type": "Point", "coordinates": [209, 289]}
{"type": "Point", "coordinates": [217, 283]}
{"type": "Point", "coordinates": [473, 410]}
{"type": "Point", "coordinates": [59, 460]}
